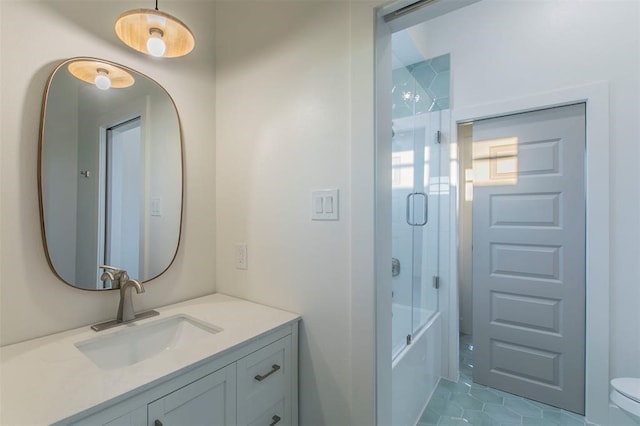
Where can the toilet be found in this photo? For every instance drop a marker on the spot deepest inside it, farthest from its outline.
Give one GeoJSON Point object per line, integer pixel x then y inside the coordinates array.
{"type": "Point", "coordinates": [625, 393]}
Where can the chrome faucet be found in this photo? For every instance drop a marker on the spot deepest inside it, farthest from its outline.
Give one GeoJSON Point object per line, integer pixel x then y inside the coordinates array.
{"type": "Point", "coordinates": [125, 309]}
{"type": "Point", "coordinates": [120, 279]}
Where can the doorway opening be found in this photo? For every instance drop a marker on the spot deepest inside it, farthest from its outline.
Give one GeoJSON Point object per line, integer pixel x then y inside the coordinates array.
{"type": "Point", "coordinates": [475, 105]}
{"type": "Point", "coordinates": [121, 201]}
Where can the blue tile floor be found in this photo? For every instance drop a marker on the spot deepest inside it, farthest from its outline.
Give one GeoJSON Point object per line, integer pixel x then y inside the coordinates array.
{"type": "Point", "coordinates": [467, 403]}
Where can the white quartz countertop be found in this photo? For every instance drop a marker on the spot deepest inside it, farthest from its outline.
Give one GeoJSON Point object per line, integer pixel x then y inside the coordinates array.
{"type": "Point", "coordinates": [48, 379]}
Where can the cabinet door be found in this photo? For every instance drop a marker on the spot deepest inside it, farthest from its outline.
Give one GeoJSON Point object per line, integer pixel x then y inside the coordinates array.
{"type": "Point", "coordinates": [276, 415]}
{"type": "Point", "coordinates": [134, 418]}
{"type": "Point", "coordinates": [264, 385]}
{"type": "Point", "coordinates": [114, 417]}
{"type": "Point", "coordinates": [207, 401]}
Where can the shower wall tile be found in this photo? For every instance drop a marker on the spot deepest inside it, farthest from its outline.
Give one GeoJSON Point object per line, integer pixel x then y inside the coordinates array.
{"type": "Point", "coordinates": [421, 87]}
{"type": "Point", "coordinates": [439, 87]}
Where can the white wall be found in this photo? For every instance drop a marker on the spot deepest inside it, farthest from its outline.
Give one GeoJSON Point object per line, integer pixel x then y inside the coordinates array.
{"type": "Point", "coordinates": [61, 181]}
{"type": "Point", "coordinates": [294, 109]}
{"type": "Point", "coordinates": [34, 37]}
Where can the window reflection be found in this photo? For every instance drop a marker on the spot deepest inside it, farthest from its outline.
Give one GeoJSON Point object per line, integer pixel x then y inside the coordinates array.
{"type": "Point", "coordinates": [495, 162]}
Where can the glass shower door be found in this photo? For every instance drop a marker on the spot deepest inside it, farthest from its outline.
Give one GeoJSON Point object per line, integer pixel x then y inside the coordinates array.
{"type": "Point", "coordinates": [426, 248]}
{"type": "Point", "coordinates": [403, 236]}
{"type": "Point", "coordinates": [417, 122]}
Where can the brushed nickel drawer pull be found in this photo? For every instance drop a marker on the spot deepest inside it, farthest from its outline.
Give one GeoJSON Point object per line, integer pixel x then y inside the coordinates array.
{"type": "Point", "coordinates": [275, 419]}
{"type": "Point", "coordinates": [274, 368]}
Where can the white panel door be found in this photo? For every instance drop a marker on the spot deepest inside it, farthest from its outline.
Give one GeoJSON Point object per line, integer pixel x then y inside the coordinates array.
{"type": "Point", "coordinates": [529, 255]}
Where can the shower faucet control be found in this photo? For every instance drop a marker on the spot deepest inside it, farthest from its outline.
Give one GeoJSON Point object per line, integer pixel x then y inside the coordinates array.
{"type": "Point", "coordinates": [395, 267]}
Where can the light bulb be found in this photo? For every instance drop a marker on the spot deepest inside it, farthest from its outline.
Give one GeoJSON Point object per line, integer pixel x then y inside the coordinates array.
{"type": "Point", "coordinates": [155, 43]}
{"type": "Point", "coordinates": [102, 80]}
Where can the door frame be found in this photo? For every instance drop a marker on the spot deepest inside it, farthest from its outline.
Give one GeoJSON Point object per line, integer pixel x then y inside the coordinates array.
{"type": "Point", "coordinates": [596, 98]}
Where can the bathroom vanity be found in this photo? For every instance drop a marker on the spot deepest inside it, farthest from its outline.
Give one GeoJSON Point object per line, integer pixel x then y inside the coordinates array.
{"type": "Point", "coordinates": [214, 360]}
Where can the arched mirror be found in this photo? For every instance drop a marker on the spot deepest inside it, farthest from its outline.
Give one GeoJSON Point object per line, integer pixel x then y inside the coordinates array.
{"type": "Point", "coordinates": [110, 173]}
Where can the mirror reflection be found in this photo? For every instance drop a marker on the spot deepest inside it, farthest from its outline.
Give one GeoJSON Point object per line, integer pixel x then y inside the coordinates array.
{"type": "Point", "coordinates": [110, 173]}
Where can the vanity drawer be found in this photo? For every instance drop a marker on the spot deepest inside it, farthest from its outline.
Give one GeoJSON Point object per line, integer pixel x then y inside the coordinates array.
{"type": "Point", "coordinates": [276, 415]}
{"type": "Point", "coordinates": [263, 380]}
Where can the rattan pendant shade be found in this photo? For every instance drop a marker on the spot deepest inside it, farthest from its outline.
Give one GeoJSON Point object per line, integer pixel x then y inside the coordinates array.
{"type": "Point", "coordinates": [136, 27]}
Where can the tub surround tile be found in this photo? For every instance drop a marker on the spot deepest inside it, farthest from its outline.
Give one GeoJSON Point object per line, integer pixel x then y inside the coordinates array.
{"type": "Point", "coordinates": [421, 87]}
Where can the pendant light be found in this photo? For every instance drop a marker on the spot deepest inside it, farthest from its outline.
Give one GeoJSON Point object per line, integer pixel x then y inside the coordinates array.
{"type": "Point", "coordinates": [154, 33]}
{"type": "Point", "coordinates": [103, 75]}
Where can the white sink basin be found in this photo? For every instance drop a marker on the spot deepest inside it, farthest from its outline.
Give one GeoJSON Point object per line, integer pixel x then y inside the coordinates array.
{"type": "Point", "coordinates": [137, 342]}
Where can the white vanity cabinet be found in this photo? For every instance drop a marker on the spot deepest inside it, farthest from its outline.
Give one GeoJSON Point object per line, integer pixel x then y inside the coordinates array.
{"type": "Point", "coordinates": [242, 371]}
{"type": "Point", "coordinates": [258, 387]}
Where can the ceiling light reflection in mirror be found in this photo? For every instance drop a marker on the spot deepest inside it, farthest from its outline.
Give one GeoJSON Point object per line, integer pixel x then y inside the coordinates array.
{"type": "Point", "coordinates": [102, 74]}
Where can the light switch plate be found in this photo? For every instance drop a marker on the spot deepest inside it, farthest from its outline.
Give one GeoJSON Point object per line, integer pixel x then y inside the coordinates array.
{"type": "Point", "coordinates": [325, 204]}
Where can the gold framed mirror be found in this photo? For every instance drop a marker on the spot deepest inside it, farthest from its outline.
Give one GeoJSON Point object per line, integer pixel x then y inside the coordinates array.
{"type": "Point", "coordinates": [110, 173]}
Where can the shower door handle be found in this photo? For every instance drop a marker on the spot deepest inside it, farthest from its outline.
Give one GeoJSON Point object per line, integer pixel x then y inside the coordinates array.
{"type": "Point", "coordinates": [426, 209]}
{"type": "Point", "coordinates": [410, 197]}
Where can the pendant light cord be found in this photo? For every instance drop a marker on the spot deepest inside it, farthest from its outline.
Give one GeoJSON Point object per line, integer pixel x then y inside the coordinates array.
{"type": "Point", "coordinates": [156, 4]}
